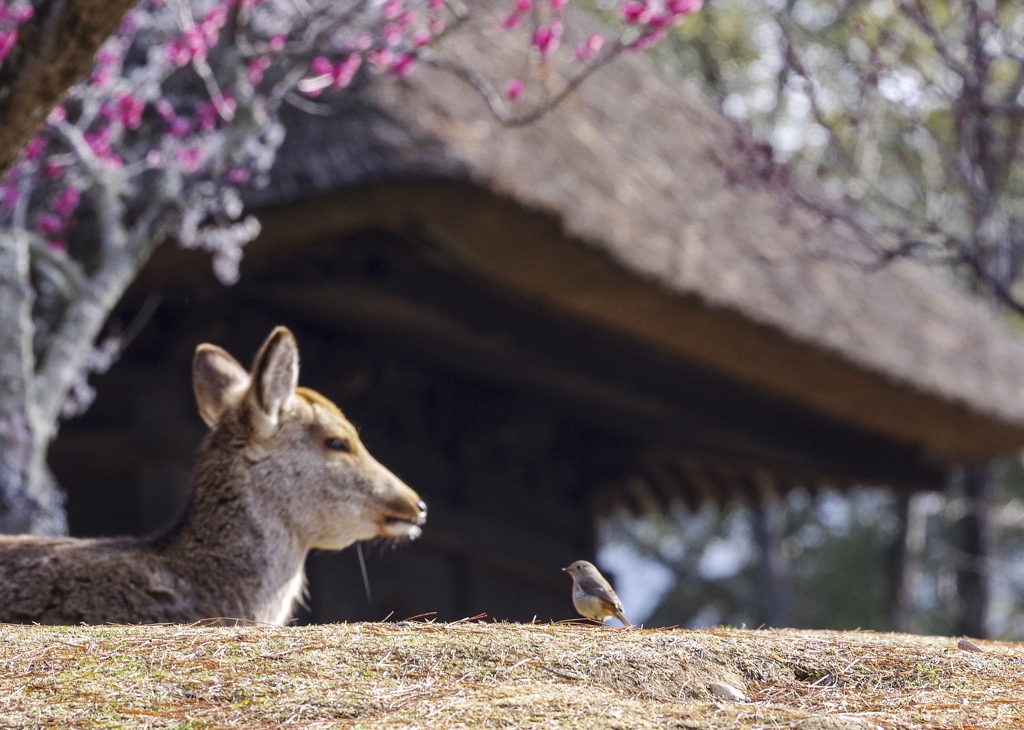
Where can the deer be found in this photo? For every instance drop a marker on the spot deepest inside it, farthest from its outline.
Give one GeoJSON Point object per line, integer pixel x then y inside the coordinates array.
{"type": "Point", "coordinates": [281, 472]}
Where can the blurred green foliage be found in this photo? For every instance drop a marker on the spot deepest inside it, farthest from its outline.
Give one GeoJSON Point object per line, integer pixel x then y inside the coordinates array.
{"type": "Point", "coordinates": [835, 548]}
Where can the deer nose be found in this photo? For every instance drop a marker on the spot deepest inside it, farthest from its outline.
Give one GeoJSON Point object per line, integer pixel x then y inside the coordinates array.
{"type": "Point", "coordinates": [423, 512]}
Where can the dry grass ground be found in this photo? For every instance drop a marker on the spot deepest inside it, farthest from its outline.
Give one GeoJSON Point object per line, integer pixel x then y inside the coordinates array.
{"type": "Point", "coordinates": [499, 675]}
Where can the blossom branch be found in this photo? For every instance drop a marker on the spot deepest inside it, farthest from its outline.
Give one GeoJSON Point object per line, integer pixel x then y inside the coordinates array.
{"type": "Point", "coordinates": [105, 188]}
{"type": "Point", "coordinates": [70, 271]}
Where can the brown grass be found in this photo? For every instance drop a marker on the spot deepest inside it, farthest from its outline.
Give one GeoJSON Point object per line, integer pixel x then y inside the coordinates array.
{"type": "Point", "coordinates": [499, 675]}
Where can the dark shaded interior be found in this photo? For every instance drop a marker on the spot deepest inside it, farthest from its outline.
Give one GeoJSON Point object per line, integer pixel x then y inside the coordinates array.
{"type": "Point", "coordinates": [516, 424]}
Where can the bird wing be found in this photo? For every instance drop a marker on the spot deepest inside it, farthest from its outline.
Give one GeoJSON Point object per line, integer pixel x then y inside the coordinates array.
{"type": "Point", "coordinates": [604, 592]}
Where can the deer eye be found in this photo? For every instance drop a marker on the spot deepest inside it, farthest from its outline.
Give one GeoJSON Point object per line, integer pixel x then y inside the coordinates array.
{"type": "Point", "coordinates": [337, 444]}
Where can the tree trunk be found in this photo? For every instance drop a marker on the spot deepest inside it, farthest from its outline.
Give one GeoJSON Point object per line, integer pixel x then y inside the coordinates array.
{"type": "Point", "coordinates": [30, 501]}
{"type": "Point", "coordinates": [56, 49]}
{"type": "Point", "coordinates": [975, 531]}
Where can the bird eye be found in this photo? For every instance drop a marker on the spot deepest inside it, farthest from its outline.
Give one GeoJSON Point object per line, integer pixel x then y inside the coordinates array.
{"type": "Point", "coordinates": [337, 444]}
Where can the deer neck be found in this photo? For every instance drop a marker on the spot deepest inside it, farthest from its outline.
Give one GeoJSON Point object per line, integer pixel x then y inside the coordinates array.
{"type": "Point", "coordinates": [236, 550]}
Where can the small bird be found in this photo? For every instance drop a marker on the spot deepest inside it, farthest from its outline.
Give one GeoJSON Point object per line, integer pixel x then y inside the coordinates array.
{"type": "Point", "coordinates": [592, 595]}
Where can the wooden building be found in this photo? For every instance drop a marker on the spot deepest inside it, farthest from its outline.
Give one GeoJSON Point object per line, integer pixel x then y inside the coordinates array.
{"type": "Point", "coordinates": [625, 303]}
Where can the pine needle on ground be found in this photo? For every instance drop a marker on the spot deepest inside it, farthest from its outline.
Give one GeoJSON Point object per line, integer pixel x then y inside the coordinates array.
{"type": "Point", "coordinates": [497, 675]}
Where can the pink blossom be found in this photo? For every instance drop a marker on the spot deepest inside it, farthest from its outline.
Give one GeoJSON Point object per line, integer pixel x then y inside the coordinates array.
{"type": "Point", "coordinates": [66, 201]}
{"type": "Point", "coordinates": [50, 224]}
{"type": "Point", "coordinates": [647, 40]}
{"type": "Point", "coordinates": [513, 19]}
{"type": "Point", "coordinates": [514, 89]}
{"type": "Point", "coordinates": [130, 21]}
{"type": "Point", "coordinates": [256, 67]}
{"type": "Point", "coordinates": [659, 20]}
{"type": "Point", "coordinates": [154, 158]}
{"type": "Point", "coordinates": [206, 116]}
{"type": "Point", "coordinates": [238, 175]}
{"type": "Point", "coordinates": [195, 40]}
{"type": "Point", "coordinates": [101, 76]}
{"type": "Point", "coordinates": [53, 170]}
{"type": "Point", "coordinates": [7, 40]}
{"type": "Point", "coordinates": [57, 245]}
{"type": "Point", "coordinates": [180, 126]}
{"type": "Point", "coordinates": [391, 9]}
{"type": "Point", "coordinates": [99, 143]}
{"type": "Point", "coordinates": [547, 38]}
{"type": "Point", "coordinates": [191, 158]}
{"type": "Point", "coordinates": [191, 46]}
{"type": "Point", "coordinates": [58, 115]}
{"type": "Point", "coordinates": [212, 24]}
{"type": "Point", "coordinates": [327, 74]}
{"type": "Point", "coordinates": [588, 50]}
{"type": "Point", "coordinates": [362, 42]}
{"type": "Point", "coordinates": [131, 108]}
{"type": "Point", "coordinates": [558, 5]}
{"type": "Point", "coordinates": [345, 71]}
{"type": "Point", "coordinates": [392, 34]}
{"type": "Point", "coordinates": [404, 65]}
{"type": "Point", "coordinates": [10, 195]}
{"type": "Point", "coordinates": [421, 38]}
{"type": "Point", "coordinates": [34, 149]}
{"type": "Point", "coordinates": [276, 42]}
{"type": "Point", "coordinates": [381, 57]}
{"type": "Point", "coordinates": [684, 7]}
{"type": "Point", "coordinates": [634, 12]}
{"type": "Point", "coordinates": [436, 4]}
{"type": "Point", "coordinates": [22, 14]}
{"type": "Point", "coordinates": [322, 66]}
{"type": "Point", "coordinates": [178, 53]}
{"type": "Point", "coordinates": [164, 109]}
{"type": "Point", "coordinates": [406, 19]}
{"type": "Point", "coordinates": [107, 57]}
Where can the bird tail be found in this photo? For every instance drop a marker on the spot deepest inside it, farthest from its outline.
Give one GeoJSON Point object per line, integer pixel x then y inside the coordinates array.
{"type": "Point", "coordinates": [622, 617]}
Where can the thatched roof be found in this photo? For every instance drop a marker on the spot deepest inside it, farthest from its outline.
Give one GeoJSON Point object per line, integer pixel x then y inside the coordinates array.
{"type": "Point", "coordinates": [661, 220]}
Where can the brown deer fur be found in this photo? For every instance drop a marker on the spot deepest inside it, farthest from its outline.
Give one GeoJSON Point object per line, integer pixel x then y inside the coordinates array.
{"type": "Point", "coordinates": [281, 472]}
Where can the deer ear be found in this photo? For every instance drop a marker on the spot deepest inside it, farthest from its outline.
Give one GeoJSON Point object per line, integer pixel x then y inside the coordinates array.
{"type": "Point", "coordinates": [219, 382]}
{"type": "Point", "coordinates": [275, 375]}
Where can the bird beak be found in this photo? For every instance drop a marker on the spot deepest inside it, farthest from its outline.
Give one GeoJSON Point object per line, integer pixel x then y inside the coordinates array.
{"type": "Point", "coordinates": [565, 570]}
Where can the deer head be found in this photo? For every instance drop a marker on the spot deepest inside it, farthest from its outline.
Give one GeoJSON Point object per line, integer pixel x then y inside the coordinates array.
{"type": "Point", "coordinates": [297, 452]}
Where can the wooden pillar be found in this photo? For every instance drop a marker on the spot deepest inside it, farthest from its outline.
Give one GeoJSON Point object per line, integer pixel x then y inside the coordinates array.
{"type": "Point", "coordinates": [974, 531]}
{"type": "Point", "coordinates": [769, 523]}
{"type": "Point", "coordinates": [900, 558]}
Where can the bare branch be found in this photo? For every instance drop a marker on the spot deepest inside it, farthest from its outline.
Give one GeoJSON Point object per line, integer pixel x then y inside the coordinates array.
{"type": "Point", "coordinates": [75, 280]}
{"type": "Point", "coordinates": [917, 13]}
{"type": "Point", "coordinates": [1008, 109]}
{"type": "Point", "coordinates": [497, 105]}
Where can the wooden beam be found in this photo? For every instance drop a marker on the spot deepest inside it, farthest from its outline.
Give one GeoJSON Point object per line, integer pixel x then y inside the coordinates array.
{"type": "Point", "coordinates": [770, 432]}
